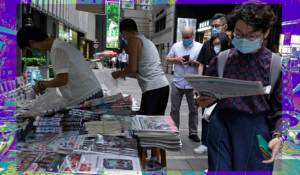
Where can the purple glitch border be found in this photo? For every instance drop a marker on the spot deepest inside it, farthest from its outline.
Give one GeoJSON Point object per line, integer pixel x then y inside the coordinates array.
{"type": "Point", "coordinates": [290, 12]}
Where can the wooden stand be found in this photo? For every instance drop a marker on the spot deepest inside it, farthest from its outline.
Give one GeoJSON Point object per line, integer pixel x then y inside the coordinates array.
{"type": "Point", "coordinates": [154, 152]}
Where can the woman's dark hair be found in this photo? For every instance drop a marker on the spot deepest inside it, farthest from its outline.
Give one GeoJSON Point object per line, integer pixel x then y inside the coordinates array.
{"type": "Point", "coordinates": [224, 39]}
{"type": "Point", "coordinates": [128, 25]}
{"type": "Point", "coordinates": [258, 16]}
{"type": "Point", "coordinates": [30, 33]}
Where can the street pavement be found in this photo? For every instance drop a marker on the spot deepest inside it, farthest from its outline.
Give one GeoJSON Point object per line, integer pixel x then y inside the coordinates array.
{"type": "Point", "coordinates": [185, 159]}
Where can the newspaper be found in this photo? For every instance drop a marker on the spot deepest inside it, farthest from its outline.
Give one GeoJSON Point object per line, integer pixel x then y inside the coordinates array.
{"type": "Point", "coordinates": [24, 159]}
{"type": "Point", "coordinates": [215, 87]}
{"type": "Point", "coordinates": [155, 123]}
{"type": "Point", "coordinates": [70, 163]}
{"type": "Point", "coordinates": [94, 163]}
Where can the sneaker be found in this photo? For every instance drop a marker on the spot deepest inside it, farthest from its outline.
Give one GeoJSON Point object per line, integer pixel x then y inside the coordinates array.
{"type": "Point", "coordinates": [205, 171]}
{"type": "Point", "coordinates": [201, 149]}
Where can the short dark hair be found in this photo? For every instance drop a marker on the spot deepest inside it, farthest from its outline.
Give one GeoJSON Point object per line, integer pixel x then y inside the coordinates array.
{"type": "Point", "coordinates": [224, 39]}
{"type": "Point", "coordinates": [128, 25]}
{"type": "Point", "coordinates": [220, 16]}
{"type": "Point", "coordinates": [30, 33]}
{"type": "Point", "coordinates": [258, 16]}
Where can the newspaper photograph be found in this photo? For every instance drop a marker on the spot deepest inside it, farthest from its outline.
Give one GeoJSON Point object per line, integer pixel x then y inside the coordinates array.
{"type": "Point", "coordinates": [215, 87]}
{"type": "Point", "coordinates": [158, 123]}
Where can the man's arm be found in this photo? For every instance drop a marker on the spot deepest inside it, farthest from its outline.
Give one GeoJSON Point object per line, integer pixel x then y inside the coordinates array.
{"type": "Point", "coordinates": [200, 69]}
{"type": "Point", "coordinates": [201, 58]}
{"type": "Point", "coordinates": [134, 48]}
{"type": "Point", "coordinates": [171, 59]}
{"type": "Point", "coordinates": [60, 80]}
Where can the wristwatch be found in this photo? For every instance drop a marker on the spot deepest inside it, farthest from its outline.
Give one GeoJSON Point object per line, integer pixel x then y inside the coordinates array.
{"type": "Point", "coordinates": [192, 62]}
{"type": "Point", "coordinates": [40, 85]}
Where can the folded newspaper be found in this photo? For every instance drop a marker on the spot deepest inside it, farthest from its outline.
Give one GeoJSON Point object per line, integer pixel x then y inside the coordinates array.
{"type": "Point", "coordinates": [215, 87]}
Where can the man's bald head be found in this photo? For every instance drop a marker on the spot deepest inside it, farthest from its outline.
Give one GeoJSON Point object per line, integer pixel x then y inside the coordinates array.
{"type": "Point", "coordinates": [188, 29]}
{"type": "Point", "coordinates": [187, 33]}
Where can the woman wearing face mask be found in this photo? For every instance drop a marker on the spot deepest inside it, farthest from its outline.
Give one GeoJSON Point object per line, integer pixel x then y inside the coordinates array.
{"type": "Point", "coordinates": [219, 43]}
{"type": "Point", "coordinates": [73, 76]}
{"type": "Point", "coordinates": [233, 129]}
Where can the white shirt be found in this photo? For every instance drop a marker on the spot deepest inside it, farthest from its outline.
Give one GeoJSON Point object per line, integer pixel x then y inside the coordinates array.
{"type": "Point", "coordinates": [179, 49]}
{"type": "Point", "coordinates": [82, 82]}
{"type": "Point", "coordinates": [123, 57]}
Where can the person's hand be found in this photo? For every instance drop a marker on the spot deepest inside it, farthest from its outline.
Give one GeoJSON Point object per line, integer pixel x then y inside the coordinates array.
{"type": "Point", "coordinates": [180, 60]}
{"type": "Point", "coordinates": [37, 88]}
{"type": "Point", "coordinates": [274, 145]}
{"type": "Point", "coordinates": [187, 63]}
{"type": "Point", "coordinates": [203, 102]}
{"type": "Point", "coordinates": [115, 74]}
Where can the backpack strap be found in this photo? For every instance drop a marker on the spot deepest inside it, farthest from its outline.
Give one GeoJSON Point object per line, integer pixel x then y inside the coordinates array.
{"type": "Point", "coordinates": [221, 63]}
{"type": "Point", "coordinates": [275, 70]}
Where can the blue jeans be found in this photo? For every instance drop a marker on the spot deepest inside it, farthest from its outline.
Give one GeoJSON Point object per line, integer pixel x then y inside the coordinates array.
{"type": "Point", "coordinates": [232, 141]}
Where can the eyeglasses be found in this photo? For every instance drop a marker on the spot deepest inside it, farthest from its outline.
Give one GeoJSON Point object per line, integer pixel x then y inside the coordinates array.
{"type": "Point", "coordinates": [217, 26]}
{"type": "Point", "coordinates": [249, 36]}
{"type": "Point", "coordinates": [184, 38]}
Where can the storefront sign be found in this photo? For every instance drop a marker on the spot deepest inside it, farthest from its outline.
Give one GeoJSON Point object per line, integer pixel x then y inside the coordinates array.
{"type": "Point", "coordinates": [205, 25]}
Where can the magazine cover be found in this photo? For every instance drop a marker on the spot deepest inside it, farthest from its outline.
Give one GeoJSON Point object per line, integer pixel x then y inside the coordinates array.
{"type": "Point", "coordinates": [24, 159]}
{"type": "Point", "coordinates": [49, 136]}
{"type": "Point", "coordinates": [42, 162]}
{"type": "Point", "coordinates": [31, 146]}
{"type": "Point", "coordinates": [158, 123]}
{"type": "Point", "coordinates": [56, 163]}
{"type": "Point", "coordinates": [84, 143]}
{"type": "Point", "coordinates": [35, 137]}
{"type": "Point", "coordinates": [62, 141]}
{"type": "Point", "coordinates": [70, 163]}
{"type": "Point", "coordinates": [94, 163]}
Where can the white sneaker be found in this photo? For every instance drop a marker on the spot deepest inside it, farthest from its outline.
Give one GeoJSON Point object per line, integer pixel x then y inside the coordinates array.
{"type": "Point", "coordinates": [205, 171]}
{"type": "Point", "coordinates": [201, 149]}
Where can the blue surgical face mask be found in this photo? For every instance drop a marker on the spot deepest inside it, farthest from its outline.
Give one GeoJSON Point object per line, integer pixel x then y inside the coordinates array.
{"type": "Point", "coordinates": [123, 51]}
{"type": "Point", "coordinates": [216, 30]}
{"type": "Point", "coordinates": [245, 46]}
{"type": "Point", "coordinates": [217, 49]}
{"type": "Point", "coordinates": [187, 42]}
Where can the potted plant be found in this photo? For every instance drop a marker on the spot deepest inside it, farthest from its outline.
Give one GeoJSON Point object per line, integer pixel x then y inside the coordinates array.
{"type": "Point", "coordinates": [40, 63]}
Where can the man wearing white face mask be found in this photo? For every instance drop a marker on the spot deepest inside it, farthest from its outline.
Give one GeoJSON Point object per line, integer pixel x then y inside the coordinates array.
{"type": "Point", "coordinates": [123, 57]}
{"type": "Point", "coordinates": [179, 85]}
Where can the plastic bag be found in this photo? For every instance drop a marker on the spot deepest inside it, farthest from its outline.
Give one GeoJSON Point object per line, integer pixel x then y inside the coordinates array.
{"type": "Point", "coordinates": [51, 99]}
{"type": "Point", "coordinates": [105, 77]}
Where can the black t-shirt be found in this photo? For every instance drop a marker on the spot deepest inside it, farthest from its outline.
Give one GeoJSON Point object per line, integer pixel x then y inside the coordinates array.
{"type": "Point", "coordinates": [204, 54]}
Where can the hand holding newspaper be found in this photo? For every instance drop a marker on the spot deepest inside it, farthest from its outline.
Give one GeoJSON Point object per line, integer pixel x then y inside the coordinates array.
{"type": "Point", "coordinates": [215, 87]}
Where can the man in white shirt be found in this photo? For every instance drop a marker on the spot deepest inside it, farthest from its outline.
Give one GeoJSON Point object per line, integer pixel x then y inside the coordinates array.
{"type": "Point", "coordinates": [179, 86]}
{"type": "Point", "coordinates": [74, 78]}
{"type": "Point", "coordinates": [123, 58]}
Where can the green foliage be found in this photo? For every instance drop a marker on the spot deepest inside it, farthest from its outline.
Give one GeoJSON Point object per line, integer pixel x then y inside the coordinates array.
{"type": "Point", "coordinates": [87, 59]}
{"type": "Point", "coordinates": [34, 61]}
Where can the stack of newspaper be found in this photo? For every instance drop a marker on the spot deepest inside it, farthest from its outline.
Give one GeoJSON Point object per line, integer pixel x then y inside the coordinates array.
{"type": "Point", "coordinates": [157, 131]}
{"type": "Point", "coordinates": [99, 144]}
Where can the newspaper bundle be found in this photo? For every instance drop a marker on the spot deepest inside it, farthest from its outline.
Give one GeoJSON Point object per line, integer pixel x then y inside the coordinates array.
{"type": "Point", "coordinates": [157, 131]}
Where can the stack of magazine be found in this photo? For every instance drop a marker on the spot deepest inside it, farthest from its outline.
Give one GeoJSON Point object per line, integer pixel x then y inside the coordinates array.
{"type": "Point", "coordinates": [157, 131]}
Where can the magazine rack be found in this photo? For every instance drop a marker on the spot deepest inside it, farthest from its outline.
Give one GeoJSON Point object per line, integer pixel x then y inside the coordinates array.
{"type": "Point", "coordinates": [155, 152]}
